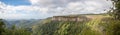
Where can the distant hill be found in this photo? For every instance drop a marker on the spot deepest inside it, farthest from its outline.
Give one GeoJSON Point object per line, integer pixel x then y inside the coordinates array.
{"type": "Point", "coordinates": [22, 23]}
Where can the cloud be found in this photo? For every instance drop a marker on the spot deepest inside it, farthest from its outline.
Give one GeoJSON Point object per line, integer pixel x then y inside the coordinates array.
{"type": "Point", "coordinates": [46, 8]}
{"type": "Point", "coordinates": [21, 12]}
{"type": "Point", "coordinates": [74, 6]}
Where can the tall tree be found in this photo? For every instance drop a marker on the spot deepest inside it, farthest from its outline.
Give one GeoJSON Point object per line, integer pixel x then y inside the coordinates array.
{"type": "Point", "coordinates": [116, 10]}
{"type": "Point", "coordinates": [1, 26]}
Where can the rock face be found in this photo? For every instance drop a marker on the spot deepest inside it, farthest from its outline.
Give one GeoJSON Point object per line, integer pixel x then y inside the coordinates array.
{"type": "Point", "coordinates": [69, 18]}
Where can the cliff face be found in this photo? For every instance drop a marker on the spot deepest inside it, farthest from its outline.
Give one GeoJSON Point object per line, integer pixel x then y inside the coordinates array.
{"type": "Point", "coordinates": [69, 18]}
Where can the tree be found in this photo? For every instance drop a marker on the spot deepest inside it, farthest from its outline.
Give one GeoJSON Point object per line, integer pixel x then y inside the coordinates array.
{"type": "Point", "coordinates": [116, 10]}
{"type": "Point", "coordinates": [1, 26]}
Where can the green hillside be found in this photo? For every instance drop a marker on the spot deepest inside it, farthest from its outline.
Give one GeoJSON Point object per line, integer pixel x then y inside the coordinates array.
{"type": "Point", "coordinates": [69, 25]}
{"type": "Point", "coordinates": [98, 25]}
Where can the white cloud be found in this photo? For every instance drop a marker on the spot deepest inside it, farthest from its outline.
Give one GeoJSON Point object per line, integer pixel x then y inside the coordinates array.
{"type": "Point", "coordinates": [47, 8]}
{"type": "Point", "coordinates": [21, 12]}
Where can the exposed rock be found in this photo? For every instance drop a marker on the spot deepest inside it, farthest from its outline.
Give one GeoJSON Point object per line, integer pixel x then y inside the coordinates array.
{"type": "Point", "coordinates": [69, 18]}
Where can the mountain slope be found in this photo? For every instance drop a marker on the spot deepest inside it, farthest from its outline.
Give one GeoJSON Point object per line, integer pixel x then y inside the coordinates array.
{"type": "Point", "coordinates": [22, 23]}
{"type": "Point", "coordinates": [96, 25]}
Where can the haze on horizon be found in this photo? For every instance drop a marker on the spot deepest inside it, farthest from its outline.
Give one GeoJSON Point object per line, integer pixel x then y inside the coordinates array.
{"type": "Point", "coordinates": [39, 9]}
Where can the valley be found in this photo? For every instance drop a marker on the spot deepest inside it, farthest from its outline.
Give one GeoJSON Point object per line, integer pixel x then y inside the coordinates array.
{"type": "Point", "coordinates": [101, 24]}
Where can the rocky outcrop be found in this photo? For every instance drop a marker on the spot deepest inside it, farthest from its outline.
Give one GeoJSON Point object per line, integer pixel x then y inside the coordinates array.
{"type": "Point", "coordinates": [69, 18]}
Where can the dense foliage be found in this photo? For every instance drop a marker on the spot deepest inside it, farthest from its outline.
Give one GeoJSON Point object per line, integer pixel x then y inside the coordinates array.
{"type": "Point", "coordinates": [97, 26]}
{"type": "Point", "coordinates": [60, 28]}
{"type": "Point", "coordinates": [116, 9]}
{"type": "Point", "coordinates": [103, 25]}
{"type": "Point", "coordinates": [1, 26]}
{"type": "Point", "coordinates": [13, 30]}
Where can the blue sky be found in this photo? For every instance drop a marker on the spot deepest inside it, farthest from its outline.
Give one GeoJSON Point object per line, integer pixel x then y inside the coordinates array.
{"type": "Point", "coordinates": [40, 9]}
{"type": "Point", "coordinates": [16, 2]}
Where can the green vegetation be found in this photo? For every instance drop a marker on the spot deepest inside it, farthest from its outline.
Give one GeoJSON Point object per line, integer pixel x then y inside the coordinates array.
{"type": "Point", "coordinates": [12, 31]}
{"type": "Point", "coordinates": [60, 28]}
{"type": "Point", "coordinates": [1, 27]}
{"type": "Point", "coordinates": [115, 11]}
{"type": "Point", "coordinates": [16, 32]}
{"type": "Point", "coordinates": [99, 24]}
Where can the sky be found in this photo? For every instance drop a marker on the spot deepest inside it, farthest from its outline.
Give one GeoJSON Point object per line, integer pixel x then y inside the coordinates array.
{"type": "Point", "coordinates": [40, 9]}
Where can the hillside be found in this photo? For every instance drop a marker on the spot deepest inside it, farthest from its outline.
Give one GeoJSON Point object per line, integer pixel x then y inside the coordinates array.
{"type": "Point", "coordinates": [21, 23]}
{"type": "Point", "coordinates": [65, 25]}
